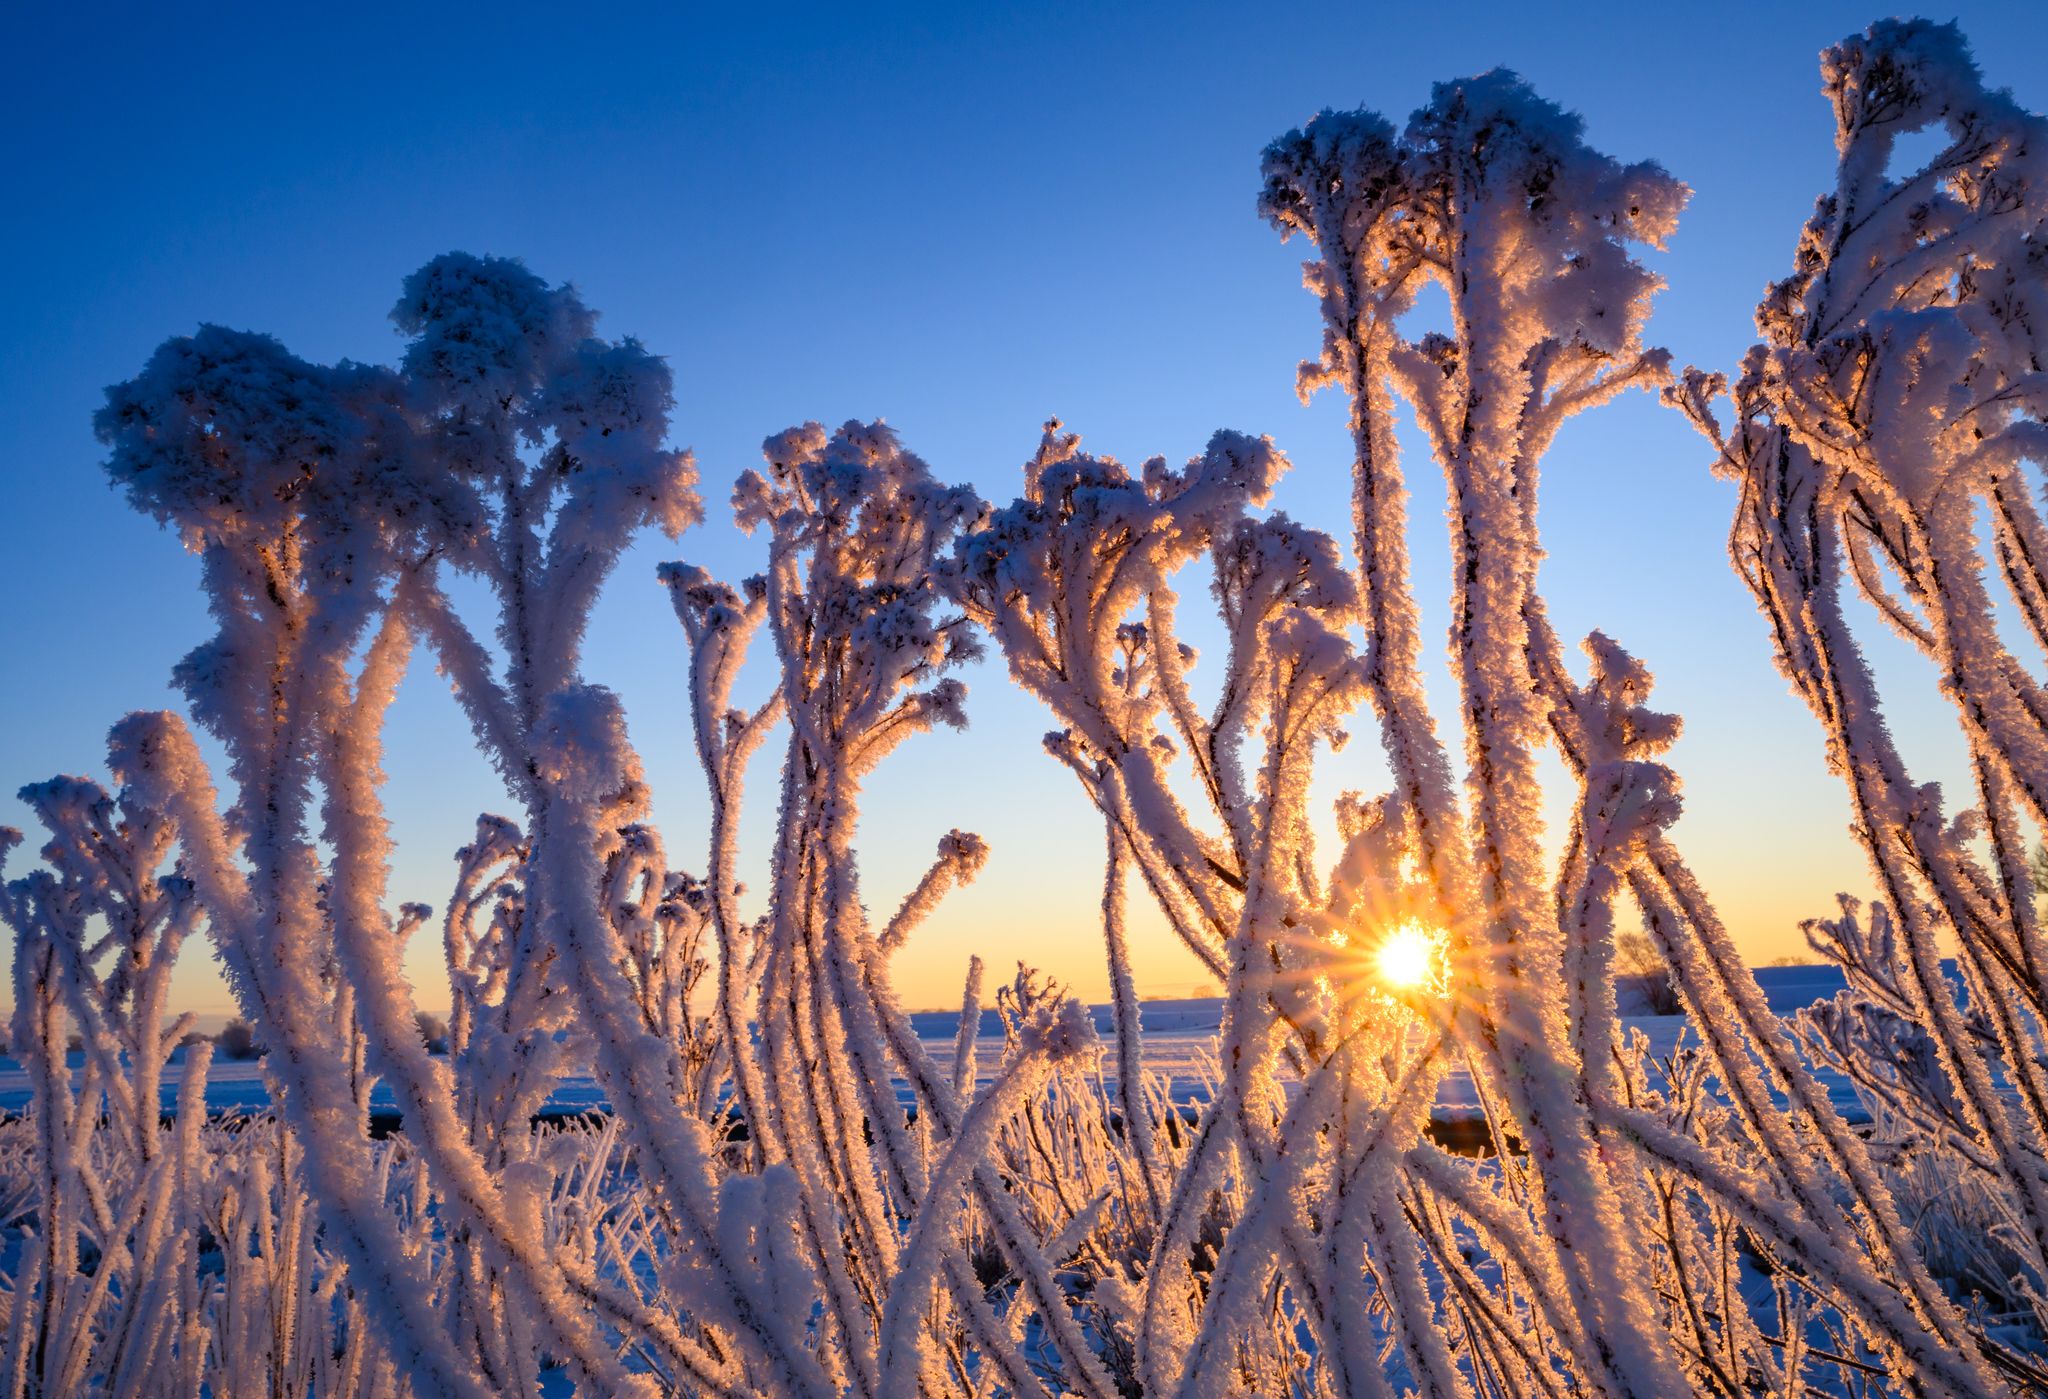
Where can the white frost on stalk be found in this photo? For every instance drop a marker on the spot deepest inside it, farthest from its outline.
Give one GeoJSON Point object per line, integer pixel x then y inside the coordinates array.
{"type": "Point", "coordinates": [961, 856]}
{"type": "Point", "coordinates": [299, 487]}
{"type": "Point", "coordinates": [1880, 426]}
{"type": "Point", "coordinates": [561, 438]}
{"type": "Point", "coordinates": [1491, 195]}
{"type": "Point", "coordinates": [857, 526]}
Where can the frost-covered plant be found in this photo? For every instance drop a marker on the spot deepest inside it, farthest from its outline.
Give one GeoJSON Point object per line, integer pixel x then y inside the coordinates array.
{"type": "Point", "coordinates": [300, 488]}
{"type": "Point", "coordinates": [789, 1193]}
{"type": "Point", "coordinates": [872, 1210]}
{"type": "Point", "coordinates": [1490, 196]}
{"type": "Point", "coordinates": [1880, 431]}
{"type": "Point", "coordinates": [319, 499]}
{"type": "Point", "coordinates": [104, 1285]}
{"type": "Point", "coordinates": [1074, 581]}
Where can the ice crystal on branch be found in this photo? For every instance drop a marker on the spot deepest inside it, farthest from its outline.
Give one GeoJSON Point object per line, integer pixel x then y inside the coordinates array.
{"type": "Point", "coordinates": [1879, 431]}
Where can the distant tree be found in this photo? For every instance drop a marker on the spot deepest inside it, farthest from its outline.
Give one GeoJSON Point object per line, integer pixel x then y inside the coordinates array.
{"type": "Point", "coordinates": [237, 1040]}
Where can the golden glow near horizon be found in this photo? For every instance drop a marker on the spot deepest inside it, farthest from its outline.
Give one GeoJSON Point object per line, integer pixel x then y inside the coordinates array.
{"type": "Point", "coordinates": [1410, 958]}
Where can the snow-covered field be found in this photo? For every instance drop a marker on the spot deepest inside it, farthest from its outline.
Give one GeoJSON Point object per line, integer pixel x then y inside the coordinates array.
{"type": "Point", "coordinates": [1179, 1036]}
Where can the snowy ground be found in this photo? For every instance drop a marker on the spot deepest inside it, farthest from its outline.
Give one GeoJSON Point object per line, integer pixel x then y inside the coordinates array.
{"type": "Point", "coordinates": [1178, 1039]}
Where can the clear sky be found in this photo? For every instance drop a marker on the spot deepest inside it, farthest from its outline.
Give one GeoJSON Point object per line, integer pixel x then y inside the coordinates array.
{"type": "Point", "coordinates": [962, 218]}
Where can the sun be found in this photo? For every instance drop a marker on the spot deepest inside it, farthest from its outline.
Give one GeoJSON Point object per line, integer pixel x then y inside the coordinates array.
{"type": "Point", "coordinates": [1410, 958]}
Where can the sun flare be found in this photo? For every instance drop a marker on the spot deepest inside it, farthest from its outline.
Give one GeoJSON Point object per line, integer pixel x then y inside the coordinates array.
{"type": "Point", "coordinates": [1410, 958]}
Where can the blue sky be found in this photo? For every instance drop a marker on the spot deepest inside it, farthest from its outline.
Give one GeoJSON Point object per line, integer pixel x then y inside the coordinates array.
{"type": "Point", "coordinates": [962, 219]}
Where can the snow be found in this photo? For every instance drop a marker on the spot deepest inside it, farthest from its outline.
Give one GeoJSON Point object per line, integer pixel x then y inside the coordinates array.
{"type": "Point", "coordinates": [1179, 1046]}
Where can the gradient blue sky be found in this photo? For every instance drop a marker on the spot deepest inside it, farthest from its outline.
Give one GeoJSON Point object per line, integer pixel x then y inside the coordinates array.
{"type": "Point", "coordinates": [959, 218]}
